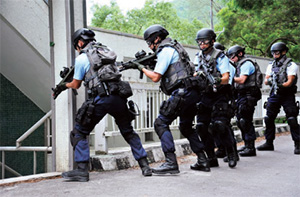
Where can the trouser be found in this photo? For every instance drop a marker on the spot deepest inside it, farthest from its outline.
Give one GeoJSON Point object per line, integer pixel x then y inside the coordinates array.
{"type": "Point", "coordinates": [213, 120]}
{"type": "Point", "coordinates": [287, 101]}
{"type": "Point", "coordinates": [245, 110]}
{"type": "Point", "coordinates": [117, 108]}
{"type": "Point", "coordinates": [185, 108]}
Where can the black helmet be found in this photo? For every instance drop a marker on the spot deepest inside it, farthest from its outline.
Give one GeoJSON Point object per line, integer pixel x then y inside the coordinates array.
{"type": "Point", "coordinates": [218, 45]}
{"type": "Point", "coordinates": [279, 46]}
{"type": "Point", "coordinates": [83, 33]}
{"type": "Point", "coordinates": [205, 33]}
{"type": "Point", "coordinates": [234, 50]}
{"type": "Point", "coordinates": [155, 30]}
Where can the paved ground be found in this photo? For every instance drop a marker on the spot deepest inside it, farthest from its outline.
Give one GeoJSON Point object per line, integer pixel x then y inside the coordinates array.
{"type": "Point", "coordinates": [275, 173]}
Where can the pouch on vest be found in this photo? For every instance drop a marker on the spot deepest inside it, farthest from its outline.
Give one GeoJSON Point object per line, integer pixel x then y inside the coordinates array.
{"type": "Point", "coordinates": [125, 90]}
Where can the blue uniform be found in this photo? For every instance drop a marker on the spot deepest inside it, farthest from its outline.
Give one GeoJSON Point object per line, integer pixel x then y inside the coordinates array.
{"type": "Point", "coordinates": [214, 111]}
{"type": "Point", "coordinates": [247, 98]}
{"type": "Point", "coordinates": [112, 104]}
{"type": "Point", "coordinates": [165, 58]}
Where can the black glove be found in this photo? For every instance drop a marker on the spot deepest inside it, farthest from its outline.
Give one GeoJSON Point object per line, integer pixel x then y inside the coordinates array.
{"type": "Point", "coordinates": [218, 80]}
{"type": "Point", "coordinates": [58, 89]}
{"type": "Point", "coordinates": [269, 81]}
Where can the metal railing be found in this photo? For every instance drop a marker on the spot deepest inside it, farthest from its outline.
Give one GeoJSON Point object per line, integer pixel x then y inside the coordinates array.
{"type": "Point", "coordinates": [148, 98]}
{"type": "Point", "coordinates": [44, 120]}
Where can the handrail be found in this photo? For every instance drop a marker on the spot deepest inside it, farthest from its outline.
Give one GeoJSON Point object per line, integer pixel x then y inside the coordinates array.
{"type": "Point", "coordinates": [32, 129]}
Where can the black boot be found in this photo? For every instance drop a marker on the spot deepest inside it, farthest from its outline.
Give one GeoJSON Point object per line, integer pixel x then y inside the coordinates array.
{"type": "Point", "coordinates": [80, 174]}
{"type": "Point", "coordinates": [225, 159]}
{"type": "Point", "coordinates": [266, 146]}
{"type": "Point", "coordinates": [146, 170]}
{"type": "Point", "coordinates": [170, 165]}
{"type": "Point", "coordinates": [231, 155]}
{"type": "Point", "coordinates": [297, 148]}
{"type": "Point", "coordinates": [220, 153]}
{"type": "Point", "coordinates": [249, 150]}
{"type": "Point", "coordinates": [202, 163]}
{"type": "Point", "coordinates": [212, 158]}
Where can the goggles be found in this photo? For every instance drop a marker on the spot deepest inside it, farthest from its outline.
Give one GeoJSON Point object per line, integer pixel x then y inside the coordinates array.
{"type": "Point", "coordinates": [275, 52]}
{"type": "Point", "coordinates": [203, 41]}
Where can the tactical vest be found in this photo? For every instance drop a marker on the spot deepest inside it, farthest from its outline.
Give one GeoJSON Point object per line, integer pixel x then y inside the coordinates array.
{"type": "Point", "coordinates": [177, 72]}
{"type": "Point", "coordinates": [210, 61]}
{"type": "Point", "coordinates": [279, 68]}
{"type": "Point", "coordinates": [253, 80]}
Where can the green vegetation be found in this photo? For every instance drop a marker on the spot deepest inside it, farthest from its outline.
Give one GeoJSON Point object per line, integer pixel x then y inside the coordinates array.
{"type": "Point", "coordinates": [253, 24]}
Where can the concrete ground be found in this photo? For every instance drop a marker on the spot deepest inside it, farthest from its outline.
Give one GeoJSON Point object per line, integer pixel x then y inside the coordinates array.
{"type": "Point", "coordinates": [269, 174]}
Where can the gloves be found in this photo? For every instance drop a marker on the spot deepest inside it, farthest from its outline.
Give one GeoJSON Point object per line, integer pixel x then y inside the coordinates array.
{"type": "Point", "coordinates": [138, 66]}
{"type": "Point", "coordinates": [280, 85]}
{"type": "Point", "coordinates": [218, 80]}
{"type": "Point", "coordinates": [58, 89]}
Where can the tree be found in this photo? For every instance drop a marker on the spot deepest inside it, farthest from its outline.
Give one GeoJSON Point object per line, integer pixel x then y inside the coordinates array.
{"type": "Point", "coordinates": [137, 20]}
{"type": "Point", "coordinates": [259, 24]}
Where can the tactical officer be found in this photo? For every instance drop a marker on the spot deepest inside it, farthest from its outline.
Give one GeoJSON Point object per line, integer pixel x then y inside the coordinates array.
{"type": "Point", "coordinates": [281, 75]}
{"type": "Point", "coordinates": [102, 83]}
{"type": "Point", "coordinates": [214, 109]}
{"type": "Point", "coordinates": [248, 93]}
{"type": "Point", "coordinates": [174, 71]}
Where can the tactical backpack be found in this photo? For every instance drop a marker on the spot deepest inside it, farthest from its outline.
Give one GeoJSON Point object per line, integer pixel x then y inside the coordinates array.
{"type": "Point", "coordinates": [258, 73]}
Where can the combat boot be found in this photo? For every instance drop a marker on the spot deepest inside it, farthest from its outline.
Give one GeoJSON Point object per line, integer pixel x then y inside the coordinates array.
{"type": "Point", "coordinates": [221, 153]}
{"type": "Point", "coordinates": [80, 174]}
{"type": "Point", "coordinates": [249, 150]}
{"type": "Point", "coordinates": [170, 165]}
{"type": "Point", "coordinates": [297, 148]}
{"type": "Point", "coordinates": [266, 146]}
{"type": "Point", "coordinates": [212, 158]}
{"type": "Point", "coordinates": [225, 159]}
{"type": "Point", "coordinates": [144, 165]}
{"type": "Point", "coordinates": [202, 163]}
{"type": "Point", "coordinates": [231, 155]}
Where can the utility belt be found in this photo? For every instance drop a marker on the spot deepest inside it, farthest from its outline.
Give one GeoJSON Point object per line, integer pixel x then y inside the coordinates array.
{"type": "Point", "coordinates": [121, 88]}
{"type": "Point", "coordinates": [187, 83]}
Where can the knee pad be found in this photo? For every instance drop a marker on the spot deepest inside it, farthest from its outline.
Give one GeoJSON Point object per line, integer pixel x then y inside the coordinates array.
{"type": "Point", "coordinates": [76, 136]}
{"type": "Point", "coordinates": [292, 122]}
{"type": "Point", "coordinates": [243, 124]}
{"type": "Point", "coordinates": [160, 127]}
{"type": "Point", "coordinates": [219, 127]}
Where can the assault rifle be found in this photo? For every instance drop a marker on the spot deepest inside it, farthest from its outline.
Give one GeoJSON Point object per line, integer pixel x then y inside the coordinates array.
{"type": "Point", "coordinates": [274, 86]}
{"type": "Point", "coordinates": [67, 76]}
{"type": "Point", "coordinates": [148, 60]}
{"type": "Point", "coordinates": [210, 77]}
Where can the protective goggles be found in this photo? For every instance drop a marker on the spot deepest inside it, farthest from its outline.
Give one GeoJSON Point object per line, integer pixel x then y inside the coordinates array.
{"type": "Point", "coordinates": [275, 52]}
{"type": "Point", "coordinates": [203, 41]}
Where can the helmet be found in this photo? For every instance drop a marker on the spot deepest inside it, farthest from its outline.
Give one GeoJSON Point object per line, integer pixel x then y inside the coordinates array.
{"type": "Point", "coordinates": [235, 50]}
{"type": "Point", "coordinates": [279, 46]}
{"type": "Point", "coordinates": [218, 45]}
{"type": "Point", "coordinates": [206, 33]}
{"type": "Point", "coordinates": [155, 30]}
{"type": "Point", "coordinates": [84, 34]}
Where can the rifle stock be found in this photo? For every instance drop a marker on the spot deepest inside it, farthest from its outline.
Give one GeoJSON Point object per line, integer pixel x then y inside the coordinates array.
{"type": "Point", "coordinates": [210, 78]}
{"type": "Point", "coordinates": [274, 86]}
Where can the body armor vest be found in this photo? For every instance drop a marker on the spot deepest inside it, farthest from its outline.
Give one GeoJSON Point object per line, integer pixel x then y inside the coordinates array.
{"type": "Point", "coordinates": [279, 68]}
{"type": "Point", "coordinates": [210, 62]}
{"type": "Point", "coordinates": [177, 72]}
{"type": "Point", "coordinates": [251, 79]}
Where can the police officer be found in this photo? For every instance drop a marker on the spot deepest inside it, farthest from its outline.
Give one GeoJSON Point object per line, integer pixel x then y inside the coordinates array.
{"type": "Point", "coordinates": [214, 109]}
{"type": "Point", "coordinates": [174, 71]}
{"type": "Point", "coordinates": [281, 75]}
{"type": "Point", "coordinates": [248, 93]}
{"type": "Point", "coordinates": [99, 105]}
